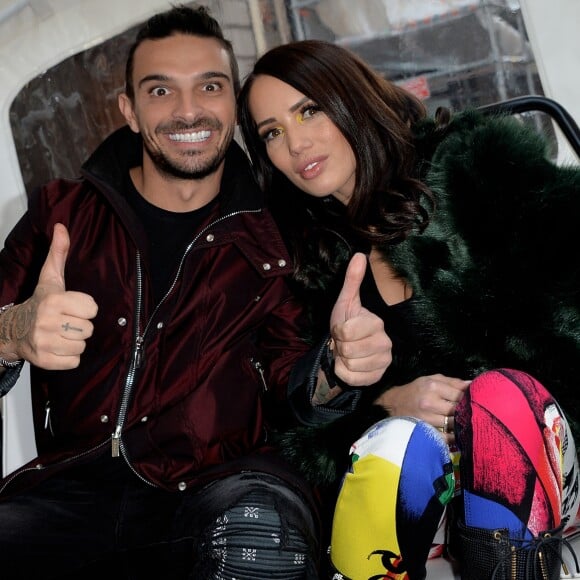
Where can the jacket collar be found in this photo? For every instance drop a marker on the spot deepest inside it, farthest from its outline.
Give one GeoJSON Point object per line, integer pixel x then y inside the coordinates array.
{"type": "Point", "coordinates": [110, 163]}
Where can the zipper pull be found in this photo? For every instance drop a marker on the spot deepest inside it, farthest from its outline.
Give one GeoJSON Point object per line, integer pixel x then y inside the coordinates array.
{"type": "Point", "coordinates": [116, 442]}
{"type": "Point", "coordinates": [260, 368]}
{"type": "Point", "coordinates": [139, 355]}
{"type": "Point", "coordinates": [47, 424]}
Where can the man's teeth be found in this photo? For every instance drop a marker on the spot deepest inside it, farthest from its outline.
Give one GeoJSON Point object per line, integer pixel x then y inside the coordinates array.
{"type": "Point", "coordinates": [310, 166]}
{"type": "Point", "coordinates": [190, 137]}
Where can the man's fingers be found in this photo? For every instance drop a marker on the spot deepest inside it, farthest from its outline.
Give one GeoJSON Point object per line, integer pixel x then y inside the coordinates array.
{"type": "Point", "coordinates": [76, 329]}
{"type": "Point", "coordinates": [79, 305]}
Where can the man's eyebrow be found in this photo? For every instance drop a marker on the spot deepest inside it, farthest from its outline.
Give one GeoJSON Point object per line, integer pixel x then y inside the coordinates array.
{"type": "Point", "coordinates": [214, 74]}
{"type": "Point", "coordinates": [157, 77]}
{"type": "Point", "coordinates": [292, 109]}
{"type": "Point", "coordinates": [153, 77]}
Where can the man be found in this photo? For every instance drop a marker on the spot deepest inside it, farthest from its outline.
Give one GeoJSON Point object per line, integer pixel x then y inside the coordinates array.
{"type": "Point", "coordinates": [150, 299]}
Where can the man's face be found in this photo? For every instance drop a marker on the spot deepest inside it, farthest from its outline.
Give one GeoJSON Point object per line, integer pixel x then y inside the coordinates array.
{"type": "Point", "coordinates": [184, 106]}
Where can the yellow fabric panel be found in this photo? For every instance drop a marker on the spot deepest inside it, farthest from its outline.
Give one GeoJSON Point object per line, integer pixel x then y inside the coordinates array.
{"type": "Point", "coordinates": [371, 488]}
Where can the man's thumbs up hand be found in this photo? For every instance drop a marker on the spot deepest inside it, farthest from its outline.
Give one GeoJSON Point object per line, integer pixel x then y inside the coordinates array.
{"type": "Point", "coordinates": [50, 329]}
{"type": "Point", "coordinates": [361, 347]}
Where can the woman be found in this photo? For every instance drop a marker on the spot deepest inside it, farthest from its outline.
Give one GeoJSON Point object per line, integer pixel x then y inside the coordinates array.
{"type": "Point", "coordinates": [447, 211]}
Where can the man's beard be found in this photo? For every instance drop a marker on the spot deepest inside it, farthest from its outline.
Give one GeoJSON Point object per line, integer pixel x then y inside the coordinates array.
{"type": "Point", "coordinates": [184, 170]}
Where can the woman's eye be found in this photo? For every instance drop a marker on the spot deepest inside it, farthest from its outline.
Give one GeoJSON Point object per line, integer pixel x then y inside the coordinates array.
{"type": "Point", "coordinates": [310, 111]}
{"type": "Point", "coordinates": [272, 134]}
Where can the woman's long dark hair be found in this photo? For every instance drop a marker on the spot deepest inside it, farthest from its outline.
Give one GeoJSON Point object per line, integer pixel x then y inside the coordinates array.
{"type": "Point", "coordinates": [376, 118]}
{"type": "Point", "coordinates": [374, 115]}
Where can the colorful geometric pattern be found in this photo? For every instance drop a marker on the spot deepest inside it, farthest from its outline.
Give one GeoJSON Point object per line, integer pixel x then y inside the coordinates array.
{"type": "Point", "coordinates": [391, 501]}
{"type": "Point", "coordinates": [511, 432]}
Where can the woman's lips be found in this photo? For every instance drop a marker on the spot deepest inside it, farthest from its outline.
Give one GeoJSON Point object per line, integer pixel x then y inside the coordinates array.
{"type": "Point", "coordinates": [311, 168]}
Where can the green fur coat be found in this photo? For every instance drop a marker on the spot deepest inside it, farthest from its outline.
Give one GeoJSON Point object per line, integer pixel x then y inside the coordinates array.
{"type": "Point", "coordinates": [495, 275]}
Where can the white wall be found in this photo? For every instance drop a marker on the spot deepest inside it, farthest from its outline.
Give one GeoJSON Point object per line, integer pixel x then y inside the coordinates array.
{"type": "Point", "coordinates": [33, 40]}
{"type": "Point", "coordinates": [554, 30]}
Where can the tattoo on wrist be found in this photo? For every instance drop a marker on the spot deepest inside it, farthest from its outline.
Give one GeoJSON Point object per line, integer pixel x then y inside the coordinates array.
{"type": "Point", "coordinates": [321, 393]}
{"type": "Point", "coordinates": [8, 358]}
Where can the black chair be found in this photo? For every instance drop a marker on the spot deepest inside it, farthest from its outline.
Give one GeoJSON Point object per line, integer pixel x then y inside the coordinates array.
{"type": "Point", "coordinates": [531, 103]}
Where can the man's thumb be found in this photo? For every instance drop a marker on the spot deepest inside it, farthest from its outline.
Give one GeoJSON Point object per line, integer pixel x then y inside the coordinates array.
{"type": "Point", "coordinates": [53, 270]}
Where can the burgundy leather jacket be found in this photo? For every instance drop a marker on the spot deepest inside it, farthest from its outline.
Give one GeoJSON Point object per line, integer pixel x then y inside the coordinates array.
{"type": "Point", "coordinates": [181, 388]}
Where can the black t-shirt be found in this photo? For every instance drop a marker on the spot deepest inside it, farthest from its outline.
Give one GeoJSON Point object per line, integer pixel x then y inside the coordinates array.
{"type": "Point", "coordinates": [169, 233]}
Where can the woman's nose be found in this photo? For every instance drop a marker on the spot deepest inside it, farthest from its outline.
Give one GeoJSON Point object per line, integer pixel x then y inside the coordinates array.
{"type": "Point", "coordinates": [298, 139]}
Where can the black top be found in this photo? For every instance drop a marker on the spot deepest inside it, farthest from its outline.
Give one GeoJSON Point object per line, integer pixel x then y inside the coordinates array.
{"type": "Point", "coordinates": [169, 233]}
{"type": "Point", "coordinates": [398, 318]}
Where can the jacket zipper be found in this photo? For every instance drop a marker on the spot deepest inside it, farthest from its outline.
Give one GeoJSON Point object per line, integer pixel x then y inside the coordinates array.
{"type": "Point", "coordinates": [136, 362]}
{"type": "Point", "coordinates": [260, 368]}
{"type": "Point", "coordinates": [138, 358]}
{"type": "Point", "coordinates": [47, 421]}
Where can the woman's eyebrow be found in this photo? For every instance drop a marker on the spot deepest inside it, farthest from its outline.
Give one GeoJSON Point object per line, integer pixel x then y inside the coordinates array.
{"type": "Point", "coordinates": [265, 122]}
{"type": "Point", "coordinates": [292, 109]}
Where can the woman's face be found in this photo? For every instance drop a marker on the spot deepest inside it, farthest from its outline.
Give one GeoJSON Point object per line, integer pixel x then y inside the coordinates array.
{"type": "Point", "coordinates": [301, 141]}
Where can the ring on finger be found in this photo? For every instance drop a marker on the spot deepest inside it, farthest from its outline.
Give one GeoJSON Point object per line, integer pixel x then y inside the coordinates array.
{"type": "Point", "coordinates": [446, 424]}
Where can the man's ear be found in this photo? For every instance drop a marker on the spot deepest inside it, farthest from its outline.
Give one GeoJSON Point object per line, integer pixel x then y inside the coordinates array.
{"type": "Point", "coordinates": [126, 108]}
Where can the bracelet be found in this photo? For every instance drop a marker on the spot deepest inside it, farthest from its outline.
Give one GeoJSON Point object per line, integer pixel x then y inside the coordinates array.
{"type": "Point", "coordinates": [327, 366]}
{"type": "Point", "coordinates": [8, 364]}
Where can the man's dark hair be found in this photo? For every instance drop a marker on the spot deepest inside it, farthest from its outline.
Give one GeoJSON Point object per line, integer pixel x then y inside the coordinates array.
{"type": "Point", "coordinates": [180, 19]}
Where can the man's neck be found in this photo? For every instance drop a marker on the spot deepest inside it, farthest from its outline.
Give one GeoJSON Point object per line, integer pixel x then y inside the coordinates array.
{"type": "Point", "coordinates": [173, 194]}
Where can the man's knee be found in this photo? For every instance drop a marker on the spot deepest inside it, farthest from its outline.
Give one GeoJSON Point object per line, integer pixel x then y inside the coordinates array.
{"type": "Point", "coordinates": [265, 530]}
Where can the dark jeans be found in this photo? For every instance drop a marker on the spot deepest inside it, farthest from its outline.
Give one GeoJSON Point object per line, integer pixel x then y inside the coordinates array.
{"type": "Point", "coordinates": [101, 521]}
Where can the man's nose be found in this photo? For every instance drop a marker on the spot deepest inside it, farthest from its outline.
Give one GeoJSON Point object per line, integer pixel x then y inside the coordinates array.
{"type": "Point", "coordinates": [187, 106]}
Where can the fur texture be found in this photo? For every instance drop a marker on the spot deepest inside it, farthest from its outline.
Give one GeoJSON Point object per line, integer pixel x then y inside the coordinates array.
{"type": "Point", "coordinates": [495, 276]}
